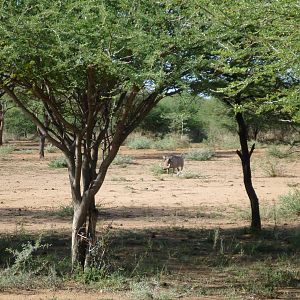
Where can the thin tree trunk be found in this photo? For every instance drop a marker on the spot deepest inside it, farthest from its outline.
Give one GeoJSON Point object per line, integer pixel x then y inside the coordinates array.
{"type": "Point", "coordinates": [42, 146]}
{"type": "Point", "coordinates": [43, 137]}
{"type": "Point", "coordinates": [91, 233]}
{"type": "Point", "coordinates": [79, 238]}
{"type": "Point", "coordinates": [1, 124]}
{"type": "Point", "coordinates": [245, 156]}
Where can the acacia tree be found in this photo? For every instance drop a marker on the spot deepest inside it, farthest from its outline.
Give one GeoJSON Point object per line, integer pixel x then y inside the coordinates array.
{"type": "Point", "coordinates": [97, 70]}
{"type": "Point", "coordinates": [247, 67]}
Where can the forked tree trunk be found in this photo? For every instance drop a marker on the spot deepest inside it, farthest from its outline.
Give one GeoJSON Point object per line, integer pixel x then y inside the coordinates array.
{"type": "Point", "coordinates": [245, 156]}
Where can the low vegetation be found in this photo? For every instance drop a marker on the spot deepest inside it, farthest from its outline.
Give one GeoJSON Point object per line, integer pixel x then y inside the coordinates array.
{"type": "Point", "coordinates": [57, 163]}
{"type": "Point", "coordinates": [199, 154]}
{"type": "Point", "coordinates": [123, 160]}
{"type": "Point", "coordinates": [6, 150]}
{"type": "Point", "coordinates": [290, 203]}
{"type": "Point", "coordinates": [148, 264]}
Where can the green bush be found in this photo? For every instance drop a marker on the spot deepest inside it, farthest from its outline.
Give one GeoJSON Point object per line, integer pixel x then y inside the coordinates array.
{"type": "Point", "coordinates": [290, 203]}
{"type": "Point", "coordinates": [199, 154]}
{"type": "Point", "coordinates": [5, 150]}
{"type": "Point", "coordinates": [189, 175]}
{"type": "Point", "coordinates": [277, 152]}
{"type": "Point", "coordinates": [139, 142]}
{"type": "Point", "coordinates": [50, 148]}
{"type": "Point", "coordinates": [157, 169]}
{"type": "Point", "coordinates": [123, 160]}
{"type": "Point", "coordinates": [272, 167]}
{"type": "Point", "coordinates": [59, 162]}
{"type": "Point", "coordinates": [172, 142]}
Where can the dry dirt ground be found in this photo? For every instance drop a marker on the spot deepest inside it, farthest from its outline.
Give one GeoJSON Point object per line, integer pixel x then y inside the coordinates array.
{"type": "Point", "coordinates": [133, 197]}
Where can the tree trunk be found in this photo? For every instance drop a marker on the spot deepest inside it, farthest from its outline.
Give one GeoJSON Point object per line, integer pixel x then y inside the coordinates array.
{"type": "Point", "coordinates": [42, 145]}
{"type": "Point", "coordinates": [245, 156]}
{"type": "Point", "coordinates": [1, 124]}
{"type": "Point", "coordinates": [43, 137]}
{"type": "Point", "coordinates": [79, 238]}
{"type": "Point", "coordinates": [84, 234]}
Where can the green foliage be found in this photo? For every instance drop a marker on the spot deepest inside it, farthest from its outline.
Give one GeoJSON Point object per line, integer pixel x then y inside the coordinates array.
{"type": "Point", "coordinates": [272, 167]}
{"type": "Point", "coordinates": [172, 142]}
{"type": "Point", "coordinates": [50, 148]}
{"type": "Point", "coordinates": [5, 150]}
{"type": "Point", "coordinates": [277, 152]}
{"type": "Point", "coordinates": [199, 154]}
{"type": "Point", "coordinates": [139, 142]}
{"type": "Point", "coordinates": [64, 211]}
{"type": "Point", "coordinates": [123, 160]}
{"type": "Point", "coordinates": [290, 203]}
{"type": "Point", "coordinates": [157, 169]}
{"type": "Point", "coordinates": [24, 259]}
{"type": "Point", "coordinates": [57, 163]}
{"type": "Point", "coordinates": [189, 175]}
{"type": "Point", "coordinates": [17, 124]}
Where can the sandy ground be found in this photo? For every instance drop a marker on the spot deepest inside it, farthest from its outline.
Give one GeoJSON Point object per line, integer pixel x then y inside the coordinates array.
{"type": "Point", "coordinates": [133, 197]}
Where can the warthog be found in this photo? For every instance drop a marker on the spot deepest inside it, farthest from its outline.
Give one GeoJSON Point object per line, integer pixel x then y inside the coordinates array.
{"type": "Point", "coordinates": [173, 162]}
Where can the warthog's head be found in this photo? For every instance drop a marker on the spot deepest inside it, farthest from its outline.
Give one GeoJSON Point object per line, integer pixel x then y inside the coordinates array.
{"type": "Point", "coordinates": [166, 162]}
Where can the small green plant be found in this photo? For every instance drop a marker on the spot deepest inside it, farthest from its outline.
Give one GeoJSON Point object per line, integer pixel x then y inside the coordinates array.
{"type": "Point", "coordinates": [145, 290]}
{"type": "Point", "coordinates": [157, 169]}
{"type": "Point", "coordinates": [290, 203]}
{"type": "Point", "coordinates": [272, 167]}
{"type": "Point", "coordinates": [172, 142]}
{"type": "Point", "coordinates": [59, 162]}
{"type": "Point", "coordinates": [140, 142]}
{"type": "Point", "coordinates": [50, 148]}
{"type": "Point", "coordinates": [199, 154]}
{"type": "Point", "coordinates": [64, 211]}
{"type": "Point", "coordinates": [24, 259]}
{"type": "Point", "coordinates": [5, 150]}
{"type": "Point", "coordinates": [123, 160]}
{"type": "Point", "coordinates": [189, 175]}
{"type": "Point", "coordinates": [277, 152]}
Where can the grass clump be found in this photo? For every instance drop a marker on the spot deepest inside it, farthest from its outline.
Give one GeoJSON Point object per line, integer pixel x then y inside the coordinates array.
{"type": "Point", "coordinates": [189, 175]}
{"type": "Point", "coordinates": [275, 151]}
{"type": "Point", "coordinates": [64, 211]}
{"type": "Point", "coordinates": [123, 160]}
{"type": "Point", "coordinates": [140, 142]}
{"type": "Point", "coordinates": [272, 167]}
{"type": "Point", "coordinates": [59, 162]}
{"type": "Point", "coordinates": [50, 148]}
{"type": "Point", "coordinates": [199, 154]}
{"type": "Point", "coordinates": [5, 150]}
{"type": "Point", "coordinates": [29, 269]}
{"type": "Point", "coordinates": [290, 203]}
{"type": "Point", "coordinates": [172, 142]}
{"type": "Point", "coordinates": [157, 170]}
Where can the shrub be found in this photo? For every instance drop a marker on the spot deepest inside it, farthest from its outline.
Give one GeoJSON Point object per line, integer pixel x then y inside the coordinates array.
{"type": "Point", "coordinates": [272, 167]}
{"type": "Point", "coordinates": [50, 148]}
{"type": "Point", "coordinates": [59, 162]}
{"type": "Point", "coordinates": [199, 154]}
{"type": "Point", "coordinates": [189, 175]}
{"type": "Point", "coordinates": [172, 142]}
{"type": "Point", "coordinates": [123, 160]}
{"type": "Point", "coordinates": [64, 211]}
{"type": "Point", "coordinates": [5, 150]}
{"type": "Point", "coordinates": [275, 151]}
{"type": "Point", "coordinates": [157, 169]}
{"type": "Point", "coordinates": [139, 142]}
{"type": "Point", "coordinates": [290, 203]}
